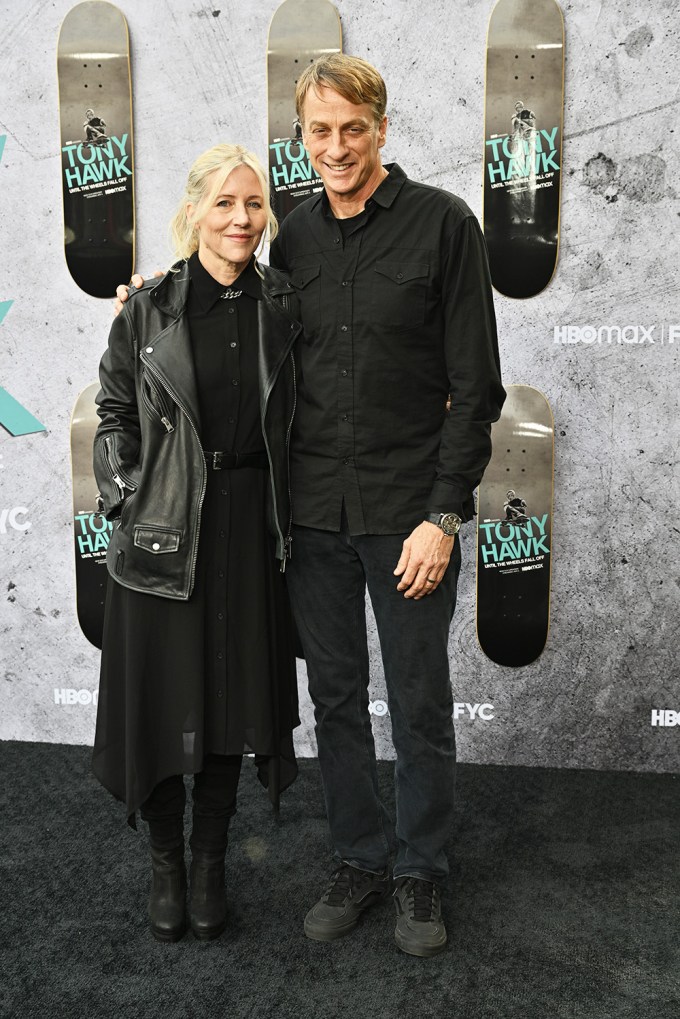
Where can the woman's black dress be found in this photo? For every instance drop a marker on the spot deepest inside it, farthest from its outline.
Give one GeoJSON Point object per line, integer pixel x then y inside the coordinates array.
{"type": "Point", "coordinates": [214, 674]}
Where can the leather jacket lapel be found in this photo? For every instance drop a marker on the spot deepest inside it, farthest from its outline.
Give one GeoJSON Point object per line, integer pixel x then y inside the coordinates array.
{"type": "Point", "coordinates": [170, 359]}
{"type": "Point", "coordinates": [274, 322]}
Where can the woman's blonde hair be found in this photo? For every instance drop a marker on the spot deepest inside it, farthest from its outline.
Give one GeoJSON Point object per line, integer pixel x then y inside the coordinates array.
{"type": "Point", "coordinates": [204, 183]}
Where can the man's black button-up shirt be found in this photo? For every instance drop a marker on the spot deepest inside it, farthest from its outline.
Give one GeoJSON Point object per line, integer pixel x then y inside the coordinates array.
{"type": "Point", "coordinates": [398, 314]}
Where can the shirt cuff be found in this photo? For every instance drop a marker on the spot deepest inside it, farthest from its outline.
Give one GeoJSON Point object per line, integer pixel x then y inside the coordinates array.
{"type": "Point", "coordinates": [446, 498]}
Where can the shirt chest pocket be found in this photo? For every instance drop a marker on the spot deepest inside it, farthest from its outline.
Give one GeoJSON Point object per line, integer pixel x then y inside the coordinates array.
{"type": "Point", "coordinates": [307, 281]}
{"type": "Point", "coordinates": [399, 294]}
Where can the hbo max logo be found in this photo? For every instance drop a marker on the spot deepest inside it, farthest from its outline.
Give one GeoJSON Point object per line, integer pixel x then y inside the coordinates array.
{"type": "Point", "coordinates": [608, 335]}
{"type": "Point", "coordinates": [65, 696]}
{"type": "Point", "coordinates": [665, 717]}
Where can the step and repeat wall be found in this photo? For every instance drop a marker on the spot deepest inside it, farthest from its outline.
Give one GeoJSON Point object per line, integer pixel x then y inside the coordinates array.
{"type": "Point", "coordinates": [601, 342]}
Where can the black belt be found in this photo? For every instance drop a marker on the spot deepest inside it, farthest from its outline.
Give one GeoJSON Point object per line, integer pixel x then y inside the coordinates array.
{"type": "Point", "coordinates": [231, 461]}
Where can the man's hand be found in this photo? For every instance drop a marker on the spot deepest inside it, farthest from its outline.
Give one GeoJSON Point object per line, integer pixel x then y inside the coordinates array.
{"type": "Point", "coordinates": [122, 290]}
{"type": "Point", "coordinates": [423, 561]}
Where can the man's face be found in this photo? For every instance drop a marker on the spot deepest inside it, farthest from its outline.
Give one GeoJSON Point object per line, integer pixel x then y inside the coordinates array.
{"type": "Point", "coordinates": [344, 143]}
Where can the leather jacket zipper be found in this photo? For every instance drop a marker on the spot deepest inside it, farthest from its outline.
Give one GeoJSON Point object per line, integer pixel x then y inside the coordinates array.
{"type": "Point", "coordinates": [162, 410]}
{"type": "Point", "coordinates": [119, 478]}
{"type": "Point", "coordinates": [204, 481]}
{"type": "Point", "coordinates": [288, 542]}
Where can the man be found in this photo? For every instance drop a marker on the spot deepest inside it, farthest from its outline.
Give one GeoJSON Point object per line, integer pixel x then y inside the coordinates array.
{"type": "Point", "coordinates": [398, 316]}
{"type": "Point", "coordinates": [515, 507]}
{"type": "Point", "coordinates": [94, 128]}
{"type": "Point", "coordinates": [397, 312]}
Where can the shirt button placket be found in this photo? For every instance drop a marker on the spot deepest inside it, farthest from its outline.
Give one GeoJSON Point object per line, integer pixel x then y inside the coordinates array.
{"type": "Point", "coordinates": [233, 361]}
{"type": "Point", "coordinates": [346, 366]}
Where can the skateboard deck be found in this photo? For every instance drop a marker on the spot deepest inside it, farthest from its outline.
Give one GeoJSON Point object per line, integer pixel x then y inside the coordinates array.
{"type": "Point", "coordinates": [523, 144]}
{"type": "Point", "coordinates": [93, 67]}
{"type": "Point", "coordinates": [300, 31]}
{"type": "Point", "coordinates": [514, 531]}
{"type": "Point", "coordinates": [91, 530]}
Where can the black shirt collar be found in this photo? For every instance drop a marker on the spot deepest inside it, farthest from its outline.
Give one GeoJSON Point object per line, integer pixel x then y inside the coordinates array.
{"type": "Point", "coordinates": [385, 193]}
{"type": "Point", "coordinates": [207, 290]}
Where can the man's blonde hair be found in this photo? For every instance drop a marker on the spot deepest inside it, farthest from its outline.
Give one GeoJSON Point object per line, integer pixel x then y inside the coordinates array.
{"type": "Point", "coordinates": [204, 183]}
{"type": "Point", "coordinates": [351, 77]}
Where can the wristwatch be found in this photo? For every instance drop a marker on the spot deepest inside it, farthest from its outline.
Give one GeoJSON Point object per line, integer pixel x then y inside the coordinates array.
{"type": "Point", "coordinates": [449, 523]}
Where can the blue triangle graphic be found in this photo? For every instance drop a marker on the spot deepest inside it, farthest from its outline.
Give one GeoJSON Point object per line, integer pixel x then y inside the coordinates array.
{"type": "Point", "coordinates": [4, 308]}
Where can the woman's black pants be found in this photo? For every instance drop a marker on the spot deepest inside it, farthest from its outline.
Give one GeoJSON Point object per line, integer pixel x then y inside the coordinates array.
{"type": "Point", "coordinates": [214, 803]}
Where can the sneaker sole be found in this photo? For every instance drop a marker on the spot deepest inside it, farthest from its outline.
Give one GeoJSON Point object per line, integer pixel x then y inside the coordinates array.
{"type": "Point", "coordinates": [329, 934]}
{"type": "Point", "coordinates": [412, 947]}
{"type": "Point", "coordinates": [323, 932]}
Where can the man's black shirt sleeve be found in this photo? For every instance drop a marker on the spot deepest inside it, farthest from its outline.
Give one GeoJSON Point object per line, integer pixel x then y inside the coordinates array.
{"type": "Point", "coordinates": [474, 373]}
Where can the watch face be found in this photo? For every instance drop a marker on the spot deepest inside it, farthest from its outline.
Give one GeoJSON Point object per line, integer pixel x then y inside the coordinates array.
{"type": "Point", "coordinates": [450, 524]}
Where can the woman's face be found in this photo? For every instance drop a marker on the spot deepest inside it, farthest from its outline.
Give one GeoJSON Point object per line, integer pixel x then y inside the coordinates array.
{"type": "Point", "coordinates": [231, 230]}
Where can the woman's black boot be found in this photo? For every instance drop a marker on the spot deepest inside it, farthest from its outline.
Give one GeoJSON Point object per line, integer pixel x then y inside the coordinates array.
{"type": "Point", "coordinates": [214, 804]}
{"type": "Point", "coordinates": [164, 813]}
{"type": "Point", "coordinates": [167, 901]}
{"type": "Point", "coordinates": [207, 899]}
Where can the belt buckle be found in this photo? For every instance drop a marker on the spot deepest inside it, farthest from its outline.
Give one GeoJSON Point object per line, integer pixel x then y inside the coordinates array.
{"type": "Point", "coordinates": [217, 461]}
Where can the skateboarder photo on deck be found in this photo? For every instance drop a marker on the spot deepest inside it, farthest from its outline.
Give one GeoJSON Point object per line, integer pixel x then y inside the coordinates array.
{"type": "Point", "coordinates": [95, 128]}
{"type": "Point", "coordinates": [514, 506]}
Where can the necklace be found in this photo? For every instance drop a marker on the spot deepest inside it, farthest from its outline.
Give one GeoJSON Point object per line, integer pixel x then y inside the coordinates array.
{"type": "Point", "coordinates": [229, 295]}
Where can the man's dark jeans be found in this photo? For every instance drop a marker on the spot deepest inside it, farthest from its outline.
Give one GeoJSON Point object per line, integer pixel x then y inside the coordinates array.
{"type": "Point", "coordinates": [327, 578]}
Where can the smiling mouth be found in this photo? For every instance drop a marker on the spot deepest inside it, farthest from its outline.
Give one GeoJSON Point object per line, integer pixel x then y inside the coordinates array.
{"type": "Point", "coordinates": [338, 167]}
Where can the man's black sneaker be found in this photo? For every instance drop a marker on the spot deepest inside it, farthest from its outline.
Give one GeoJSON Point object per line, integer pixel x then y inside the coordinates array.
{"type": "Point", "coordinates": [420, 929]}
{"type": "Point", "coordinates": [349, 893]}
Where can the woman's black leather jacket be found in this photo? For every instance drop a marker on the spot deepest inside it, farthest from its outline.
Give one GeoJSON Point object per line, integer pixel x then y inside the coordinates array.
{"type": "Point", "coordinates": [148, 458]}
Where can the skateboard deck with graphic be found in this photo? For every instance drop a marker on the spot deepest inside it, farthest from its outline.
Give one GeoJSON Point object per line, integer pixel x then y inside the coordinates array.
{"type": "Point", "coordinates": [523, 144]}
{"type": "Point", "coordinates": [514, 531]}
{"type": "Point", "coordinates": [91, 530]}
{"type": "Point", "coordinates": [300, 31]}
{"type": "Point", "coordinates": [95, 107]}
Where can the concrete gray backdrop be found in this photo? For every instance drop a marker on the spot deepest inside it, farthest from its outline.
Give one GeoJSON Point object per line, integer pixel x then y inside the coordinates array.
{"type": "Point", "coordinates": [198, 76]}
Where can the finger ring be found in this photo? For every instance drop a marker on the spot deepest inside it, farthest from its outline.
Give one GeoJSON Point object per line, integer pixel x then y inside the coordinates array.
{"type": "Point", "coordinates": [431, 581]}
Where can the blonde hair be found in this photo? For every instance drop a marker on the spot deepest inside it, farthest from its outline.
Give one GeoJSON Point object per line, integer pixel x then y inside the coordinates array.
{"type": "Point", "coordinates": [353, 78]}
{"type": "Point", "coordinates": [204, 183]}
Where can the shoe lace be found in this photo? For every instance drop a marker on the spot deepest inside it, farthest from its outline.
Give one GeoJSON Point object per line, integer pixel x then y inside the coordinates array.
{"type": "Point", "coordinates": [340, 885]}
{"type": "Point", "coordinates": [423, 894]}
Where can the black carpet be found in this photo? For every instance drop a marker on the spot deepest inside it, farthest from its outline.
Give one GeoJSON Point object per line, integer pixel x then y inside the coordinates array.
{"type": "Point", "coordinates": [564, 904]}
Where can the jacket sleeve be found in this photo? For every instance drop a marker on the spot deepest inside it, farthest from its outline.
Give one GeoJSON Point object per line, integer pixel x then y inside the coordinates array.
{"type": "Point", "coordinates": [117, 439]}
{"type": "Point", "coordinates": [473, 367]}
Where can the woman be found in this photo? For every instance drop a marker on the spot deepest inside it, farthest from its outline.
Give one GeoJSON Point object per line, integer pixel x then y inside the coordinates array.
{"type": "Point", "coordinates": [198, 666]}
